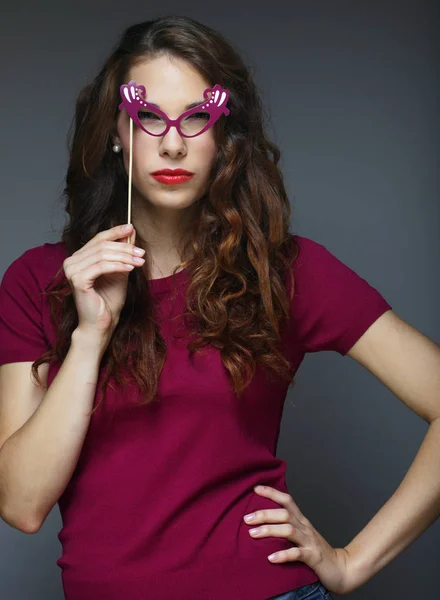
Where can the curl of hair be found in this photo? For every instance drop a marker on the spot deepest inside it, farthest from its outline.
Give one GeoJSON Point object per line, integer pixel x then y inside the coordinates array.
{"type": "Point", "coordinates": [241, 246]}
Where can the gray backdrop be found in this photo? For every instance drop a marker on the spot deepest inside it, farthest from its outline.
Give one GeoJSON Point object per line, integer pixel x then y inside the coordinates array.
{"type": "Point", "coordinates": [352, 90]}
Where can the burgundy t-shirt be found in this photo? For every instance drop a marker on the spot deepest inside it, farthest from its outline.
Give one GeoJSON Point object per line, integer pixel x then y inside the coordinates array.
{"type": "Point", "coordinates": [155, 506]}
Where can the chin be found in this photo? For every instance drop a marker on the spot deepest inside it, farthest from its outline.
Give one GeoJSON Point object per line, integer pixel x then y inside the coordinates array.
{"type": "Point", "coordinates": [173, 197]}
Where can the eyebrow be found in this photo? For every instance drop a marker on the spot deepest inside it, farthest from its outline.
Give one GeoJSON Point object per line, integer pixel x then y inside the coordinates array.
{"type": "Point", "coordinates": [188, 107]}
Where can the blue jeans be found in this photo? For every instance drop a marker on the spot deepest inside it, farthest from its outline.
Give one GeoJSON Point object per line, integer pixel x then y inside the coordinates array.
{"type": "Point", "coordinates": [313, 591]}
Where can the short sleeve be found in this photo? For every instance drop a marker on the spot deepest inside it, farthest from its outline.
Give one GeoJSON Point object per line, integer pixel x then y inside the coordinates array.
{"type": "Point", "coordinates": [333, 305]}
{"type": "Point", "coordinates": [21, 326]}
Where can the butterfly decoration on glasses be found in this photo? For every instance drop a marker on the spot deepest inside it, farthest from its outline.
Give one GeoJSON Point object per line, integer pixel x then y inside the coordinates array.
{"type": "Point", "coordinates": [156, 122]}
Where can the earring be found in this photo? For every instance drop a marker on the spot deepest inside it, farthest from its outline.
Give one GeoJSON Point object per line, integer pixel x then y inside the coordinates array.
{"type": "Point", "coordinates": [117, 148]}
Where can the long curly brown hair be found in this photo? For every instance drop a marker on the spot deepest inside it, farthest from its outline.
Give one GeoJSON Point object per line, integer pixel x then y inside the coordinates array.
{"type": "Point", "coordinates": [242, 249]}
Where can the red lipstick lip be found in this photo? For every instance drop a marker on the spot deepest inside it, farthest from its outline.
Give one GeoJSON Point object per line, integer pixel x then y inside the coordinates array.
{"type": "Point", "coordinates": [172, 179]}
{"type": "Point", "coordinates": [172, 172]}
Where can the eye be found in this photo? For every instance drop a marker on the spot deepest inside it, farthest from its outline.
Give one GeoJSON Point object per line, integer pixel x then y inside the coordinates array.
{"type": "Point", "coordinates": [147, 115]}
{"type": "Point", "coordinates": [199, 115]}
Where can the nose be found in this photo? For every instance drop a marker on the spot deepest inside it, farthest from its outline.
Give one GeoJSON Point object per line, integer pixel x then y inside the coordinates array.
{"type": "Point", "coordinates": [172, 143]}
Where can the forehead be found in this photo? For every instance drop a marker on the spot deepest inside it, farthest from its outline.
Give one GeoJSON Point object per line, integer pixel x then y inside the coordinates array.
{"type": "Point", "coordinates": [171, 83]}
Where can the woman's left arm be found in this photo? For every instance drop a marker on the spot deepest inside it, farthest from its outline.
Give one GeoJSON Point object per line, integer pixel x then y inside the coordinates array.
{"type": "Point", "coordinates": [408, 363]}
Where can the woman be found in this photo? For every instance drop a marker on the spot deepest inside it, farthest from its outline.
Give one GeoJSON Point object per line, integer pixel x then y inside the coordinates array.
{"type": "Point", "coordinates": [154, 480]}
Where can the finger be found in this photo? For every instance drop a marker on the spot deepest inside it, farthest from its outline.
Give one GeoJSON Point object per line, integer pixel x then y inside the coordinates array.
{"type": "Point", "coordinates": [289, 555]}
{"type": "Point", "coordinates": [106, 251]}
{"type": "Point", "coordinates": [269, 515]}
{"type": "Point", "coordinates": [108, 240]}
{"type": "Point", "coordinates": [84, 280]}
{"type": "Point", "coordinates": [282, 498]}
{"type": "Point", "coordinates": [113, 234]}
{"type": "Point", "coordinates": [285, 530]}
{"type": "Point", "coordinates": [96, 257]}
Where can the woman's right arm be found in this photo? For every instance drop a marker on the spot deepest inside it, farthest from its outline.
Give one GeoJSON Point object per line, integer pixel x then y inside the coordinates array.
{"type": "Point", "coordinates": [37, 461]}
{"type": "Point", "coordinates": [39, 448]}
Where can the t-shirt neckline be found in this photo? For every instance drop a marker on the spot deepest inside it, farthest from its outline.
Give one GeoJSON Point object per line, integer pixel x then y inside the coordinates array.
{"type": "Point", "coordinates": [163, 284]}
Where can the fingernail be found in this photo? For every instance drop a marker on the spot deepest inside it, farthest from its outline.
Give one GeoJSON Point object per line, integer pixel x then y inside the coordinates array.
{"type": "Point", "coordinates": [249, 517]}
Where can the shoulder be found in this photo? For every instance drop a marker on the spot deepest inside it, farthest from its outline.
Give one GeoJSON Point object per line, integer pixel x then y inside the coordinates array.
{"type": "Point", "coordinates": [48, 253]}
{"type": "Point", "coordinates": [332, 303]}
{"type": "Point", "coordinates": [26, 328]}
{"type": "Point", "coordinates": [316, 265]}
{"type": "Point", "coordinates": [310, 250]}
{"type": "Point", "coordinates": [37, 265]}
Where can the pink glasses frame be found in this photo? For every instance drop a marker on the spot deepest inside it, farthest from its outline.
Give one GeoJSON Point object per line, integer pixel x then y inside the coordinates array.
{"type": "Point", "coordinates": [132, 102]}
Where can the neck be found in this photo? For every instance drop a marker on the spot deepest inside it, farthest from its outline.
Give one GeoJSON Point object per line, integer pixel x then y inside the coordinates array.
{"type": "Point", "coordinates": [161, 232]}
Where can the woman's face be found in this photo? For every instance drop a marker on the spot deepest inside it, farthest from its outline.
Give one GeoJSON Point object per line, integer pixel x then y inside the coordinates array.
{"type": "Point", "coordinates": [172, 84]}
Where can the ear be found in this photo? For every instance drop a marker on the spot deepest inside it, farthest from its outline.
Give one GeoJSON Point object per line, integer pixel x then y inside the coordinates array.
{"type": "Point", "coordinates": [114, 135]}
